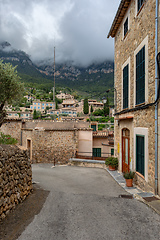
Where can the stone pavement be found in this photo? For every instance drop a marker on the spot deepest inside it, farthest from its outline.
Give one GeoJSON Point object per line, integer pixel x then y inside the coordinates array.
{"type": "Point", "coordinates": [146, 197]}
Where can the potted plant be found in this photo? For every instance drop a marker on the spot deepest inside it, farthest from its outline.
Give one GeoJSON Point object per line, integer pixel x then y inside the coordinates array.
{"type": "Point", "coordinates": [129, 178]}
{"type": "Point", "coordinates": [112, 163]}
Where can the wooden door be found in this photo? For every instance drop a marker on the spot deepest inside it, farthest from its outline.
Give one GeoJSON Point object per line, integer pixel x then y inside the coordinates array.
{"type": "Point", "coordinates": [125, 150]}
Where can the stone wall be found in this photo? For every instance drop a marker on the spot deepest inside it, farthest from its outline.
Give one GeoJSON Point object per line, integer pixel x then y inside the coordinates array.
{"type": "Point", "coordinates": [15, 177]}
{"type": "Point", "coordinates": [47, 145]}
{"type": "Point", "coordinates": [13, 128]}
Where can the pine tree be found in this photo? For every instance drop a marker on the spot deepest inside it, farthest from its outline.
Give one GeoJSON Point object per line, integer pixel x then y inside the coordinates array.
{"type": "Point", "coordinates": [86, 106]}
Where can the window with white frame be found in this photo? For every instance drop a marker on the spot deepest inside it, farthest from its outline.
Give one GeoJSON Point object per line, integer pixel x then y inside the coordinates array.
{"type": "Point", "coordinates": [140, 76]}
{"type": "Point", "coordinates": [125, 86]}
{"type": "Point", "coordinates": [139, 4]}
{"type": "Point", "coordinates": [125, 26]}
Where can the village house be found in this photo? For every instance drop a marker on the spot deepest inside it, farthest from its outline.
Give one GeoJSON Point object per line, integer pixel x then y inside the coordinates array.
{"type": "Point", "coordinates": [71, 112]}
{"type": "Point", "coordinates": [49, 141]}
{"type": "Point", "coordinates": [64, 96]}
{"type": "Point", "coordinates": [135, 31]}
{"type": "Point", "coordinates": [41, 106]}
{"type": "Point", "coordinates": [19, 114]}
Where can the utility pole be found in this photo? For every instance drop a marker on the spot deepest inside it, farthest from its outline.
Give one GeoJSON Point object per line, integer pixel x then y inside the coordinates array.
{"type": "Point", "coordinates": [54, 83]}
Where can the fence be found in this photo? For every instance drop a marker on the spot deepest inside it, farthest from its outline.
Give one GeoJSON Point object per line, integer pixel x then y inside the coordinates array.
{"type": "Point", "coordinates": [92, 155]}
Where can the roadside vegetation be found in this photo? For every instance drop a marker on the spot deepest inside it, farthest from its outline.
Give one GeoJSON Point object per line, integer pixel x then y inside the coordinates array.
{"type": "Point", "coordinates": [7, 139]}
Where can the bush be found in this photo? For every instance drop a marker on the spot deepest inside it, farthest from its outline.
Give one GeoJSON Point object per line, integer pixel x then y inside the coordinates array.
{"type": "Point", "coordinates": [112, 119]}
{"type": "Point", "coordinates": [7, 139]}
{"type": "Point", "coordinates": [101, 126]}
{"type": "Point", "coordinates": [112, 161]}
{"type": "Point", "coordinates": [129, 175]}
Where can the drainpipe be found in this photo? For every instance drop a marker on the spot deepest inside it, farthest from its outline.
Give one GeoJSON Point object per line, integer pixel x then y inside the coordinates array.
{"type": "Point", "coordinates": [156, 106]}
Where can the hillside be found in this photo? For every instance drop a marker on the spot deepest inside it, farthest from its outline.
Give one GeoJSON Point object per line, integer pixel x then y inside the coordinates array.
{"type": "Point", "coordinates": [93, 80]}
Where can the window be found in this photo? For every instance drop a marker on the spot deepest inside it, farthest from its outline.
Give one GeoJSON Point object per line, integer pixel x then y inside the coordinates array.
{"type": "Point", "coordinates": [139, 5]}
{"type": "Point", "coordinates": [38, 107]}
{"type": "Point", "coordinates": [125, 27]}
{"type": "Point", "coordinates": [125, 87]}
{"type": "Point", "coordinates": [31, 107]}
{"type": "Point", "coordinates": [94, 128]}
{"type": "Point", "coordinates": [140, 76]}
{"type": "Point", "coordinates": [96, 152]}
{"type": "Point", "coordinates": [140, 154]}
{"type": "Point", "coordinates": [42, 104]}
{"type": "Point", "coordinates": [112, 151]}
{"type": "Point", "coordinates": [38, 103]}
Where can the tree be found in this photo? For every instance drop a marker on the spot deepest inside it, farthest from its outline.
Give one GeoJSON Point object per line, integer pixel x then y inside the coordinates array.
{"type": "Point", "coordinates": [106, 108]}
{"type": "Point", "coordinates": [91, 109]}
{"type": "Point", "coordinates": [86, 106]}
{"type": "Point", "coordinates": [11, 89]}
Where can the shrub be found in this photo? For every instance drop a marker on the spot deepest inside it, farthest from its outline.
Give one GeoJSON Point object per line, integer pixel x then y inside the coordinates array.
{"type": "Point", "coordinates": [112, 161]}
{"type": "Point", "coordinates": [129, 175]}
{"type": "Point", "coordinates": [7, 139]}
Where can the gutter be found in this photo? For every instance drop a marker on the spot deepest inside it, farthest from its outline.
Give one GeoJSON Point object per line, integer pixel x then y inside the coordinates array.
{"type": "Point", "coordinates": [156, 96]}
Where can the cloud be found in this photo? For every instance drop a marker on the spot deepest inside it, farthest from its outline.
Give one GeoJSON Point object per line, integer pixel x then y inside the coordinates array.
{"type": "Point", "coordinates": [78, 28]}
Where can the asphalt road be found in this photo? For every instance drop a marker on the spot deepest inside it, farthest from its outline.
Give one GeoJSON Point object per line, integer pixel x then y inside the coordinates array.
{"type": "Point", "coordinates": [84, 204]}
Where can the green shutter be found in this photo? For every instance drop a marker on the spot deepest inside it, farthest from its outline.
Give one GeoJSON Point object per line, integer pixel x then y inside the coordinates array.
{"type": "Point", "coordinates": [94, 127]}
{"type": "Point", "coordinates": [140, 165]}
{"type": "Point", "coordinates": [112, 151]}
{"type": "Point", "coordinates": [125, 87]}
{"type": "Point", "coordinates": [97, 152]}
{"type": "Point", "coordinates": [140, 76]}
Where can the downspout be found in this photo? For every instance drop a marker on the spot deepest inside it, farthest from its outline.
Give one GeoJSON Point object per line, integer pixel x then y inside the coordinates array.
{"type": "Point", "coordinates": [156, 106]}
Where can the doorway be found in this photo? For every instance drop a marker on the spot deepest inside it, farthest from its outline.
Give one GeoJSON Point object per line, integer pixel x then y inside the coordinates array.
{"type": "Point", "coordinates": [29, 148]}
{"type": "Point", "coordinates": [125, 150]}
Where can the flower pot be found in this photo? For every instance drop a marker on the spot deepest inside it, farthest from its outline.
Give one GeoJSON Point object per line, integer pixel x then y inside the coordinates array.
{"type": "Point", "coordinates": [129, 182]}
{"type": "Point", "coordinates": [112, 168]}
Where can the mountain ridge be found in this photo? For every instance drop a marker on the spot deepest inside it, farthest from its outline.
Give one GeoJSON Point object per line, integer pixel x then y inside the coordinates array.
{"type": "Point", "coordinates": [90, 79]}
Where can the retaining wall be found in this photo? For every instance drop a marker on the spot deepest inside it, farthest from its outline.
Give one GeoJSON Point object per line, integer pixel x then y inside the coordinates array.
{"type": "Point", "coordinates": [15, 177]}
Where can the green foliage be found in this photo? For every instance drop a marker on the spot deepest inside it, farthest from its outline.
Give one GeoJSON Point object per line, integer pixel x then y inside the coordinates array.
{"type": "Point", "coordinates": [112, 119]}
{"type": "Point", "coordinates": [36, 114]}
{"type": "Point", "coordinates": [129, 175]}
{"type": "Point", "coordinates": [7, 139]}
{"type": "Point", "coordinates": [91, 109]}
{"type": "Point", "coordinates": [11, 90]}
{"type": "Point", "coordinates": [98, 112]}
{"type": "Point", "coordinates": [112, 161]}
{"type": "Point", "coordinates": [101, 126]}
{"type": "Point", "coordinates": [86, 106]}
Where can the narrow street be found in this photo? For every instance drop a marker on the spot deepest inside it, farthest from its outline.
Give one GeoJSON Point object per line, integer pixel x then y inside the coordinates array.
{"type": "Point", "coordinates": [84, 204]}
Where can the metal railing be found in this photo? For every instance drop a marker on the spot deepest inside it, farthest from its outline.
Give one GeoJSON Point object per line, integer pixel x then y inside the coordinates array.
{"type": "Point", "coordinates": [92, 155]}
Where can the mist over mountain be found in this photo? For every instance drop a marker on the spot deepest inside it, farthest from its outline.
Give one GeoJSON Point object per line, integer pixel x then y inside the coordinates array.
{"type": "Point", "coordinates": [91, 79]}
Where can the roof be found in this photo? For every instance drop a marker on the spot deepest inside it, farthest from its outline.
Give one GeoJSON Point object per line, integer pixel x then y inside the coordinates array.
{"type": "Point", "coordinates": [119, 17]}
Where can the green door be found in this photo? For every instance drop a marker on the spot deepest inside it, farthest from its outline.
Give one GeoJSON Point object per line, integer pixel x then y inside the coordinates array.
{"type": "Point", "coordinates": [96, 152]}
{"type": "Point", "coordinates": [140, 154]}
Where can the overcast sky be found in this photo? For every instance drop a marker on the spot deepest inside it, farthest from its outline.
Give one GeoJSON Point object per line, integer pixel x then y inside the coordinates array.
{"type": "Point", "coordinates": [77, 28]}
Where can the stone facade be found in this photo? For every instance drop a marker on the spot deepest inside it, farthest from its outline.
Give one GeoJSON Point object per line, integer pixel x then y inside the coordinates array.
{"type": "Point", "coordinates": [49, 141]}
{"type": "Point", "coordinates": [141, 32]}
{"type": "Point", "coordinates": [12, 127]}
{"type": "Point", "coordinates": [15, 177]}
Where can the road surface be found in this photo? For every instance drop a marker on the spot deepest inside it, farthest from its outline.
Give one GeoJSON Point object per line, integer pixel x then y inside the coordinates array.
{"type": "Point", "coordinates": [84, 204]}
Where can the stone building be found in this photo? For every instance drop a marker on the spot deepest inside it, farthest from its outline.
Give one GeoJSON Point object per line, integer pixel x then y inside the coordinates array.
{"type": "Point", "coordinates": [41, 106]}
{"type": "Point", "coordinates": [135, 34]}
{"type": "Point", "coordinates": [47, 141]}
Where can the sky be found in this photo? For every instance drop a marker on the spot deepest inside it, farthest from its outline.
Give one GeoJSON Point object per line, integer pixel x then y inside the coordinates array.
{"type": "Point", "coordinates": [76, 28]}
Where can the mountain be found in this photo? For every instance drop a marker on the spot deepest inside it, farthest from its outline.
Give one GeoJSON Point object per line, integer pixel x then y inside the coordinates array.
{"type": "Point", "coordinates": [93, 80]}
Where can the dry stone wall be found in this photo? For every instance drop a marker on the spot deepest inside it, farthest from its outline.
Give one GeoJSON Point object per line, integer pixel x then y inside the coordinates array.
{"type": "Point", "coordinates": [15, 177]}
